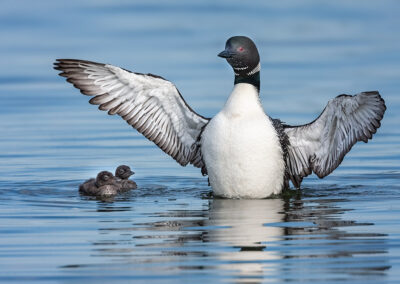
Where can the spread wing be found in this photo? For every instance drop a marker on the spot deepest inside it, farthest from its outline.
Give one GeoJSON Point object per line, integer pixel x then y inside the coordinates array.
{"type": "Point", "coordinates": [149, 103]}
{"type": "Point", "coordinates": [321, 145]}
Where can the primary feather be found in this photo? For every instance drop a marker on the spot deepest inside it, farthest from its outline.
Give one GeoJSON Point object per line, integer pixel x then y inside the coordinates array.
{"type": "Point", "coordinates": [147, 102]}
{"type": "Point", "coordinates": [321, 145]}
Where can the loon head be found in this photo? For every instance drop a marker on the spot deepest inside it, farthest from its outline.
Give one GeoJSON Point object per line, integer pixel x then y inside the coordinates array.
{"type": "Point", "coordinates": [104, 178]}
{"type": "Point", "coordinates": [123, 172]}
{"type": "Point", "coordinates": [242, 54]}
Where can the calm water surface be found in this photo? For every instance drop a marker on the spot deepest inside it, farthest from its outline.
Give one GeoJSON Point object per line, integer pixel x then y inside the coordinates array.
{"type": "Point", "coordinates": [344, 228]}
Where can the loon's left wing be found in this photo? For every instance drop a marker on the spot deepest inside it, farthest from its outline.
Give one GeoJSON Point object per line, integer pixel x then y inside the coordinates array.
{"type": "Point", "coordinates": [321, 145]}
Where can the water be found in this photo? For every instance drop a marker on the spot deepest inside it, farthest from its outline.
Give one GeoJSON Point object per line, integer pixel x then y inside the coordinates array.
{"type": "Point", "coordinates": [342, 228]}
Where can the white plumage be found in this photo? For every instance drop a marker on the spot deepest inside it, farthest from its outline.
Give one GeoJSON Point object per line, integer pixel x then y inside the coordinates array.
{"type": "Point", "coordinates": [241, 148]}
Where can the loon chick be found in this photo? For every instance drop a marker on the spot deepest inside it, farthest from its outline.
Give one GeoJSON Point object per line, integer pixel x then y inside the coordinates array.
{"type": "Point", "coordinates": [122, 174]}
{"type": "Point", "coordinates": [104, 185]}
{"type": "Point", "coordinates": [245, 153]}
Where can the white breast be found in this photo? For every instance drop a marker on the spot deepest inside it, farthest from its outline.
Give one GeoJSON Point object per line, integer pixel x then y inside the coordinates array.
{"type": "Point", "coordinates": [241, 148]}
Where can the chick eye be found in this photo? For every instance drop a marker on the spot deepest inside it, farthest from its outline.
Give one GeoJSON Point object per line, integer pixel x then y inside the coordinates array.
{"type": "Point", "coordinates": [240, 49]}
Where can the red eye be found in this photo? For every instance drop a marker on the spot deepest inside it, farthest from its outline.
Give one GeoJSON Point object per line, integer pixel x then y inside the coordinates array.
{"type": "Point", "coordinates": [240, 49]}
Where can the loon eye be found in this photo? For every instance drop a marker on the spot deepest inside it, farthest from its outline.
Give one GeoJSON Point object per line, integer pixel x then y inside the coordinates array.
{"type": "Point", "coordinates": [240, 49]}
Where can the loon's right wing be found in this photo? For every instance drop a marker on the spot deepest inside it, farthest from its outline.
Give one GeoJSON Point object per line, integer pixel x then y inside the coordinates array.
{"type": "Point", "coordinates": [149, 103]}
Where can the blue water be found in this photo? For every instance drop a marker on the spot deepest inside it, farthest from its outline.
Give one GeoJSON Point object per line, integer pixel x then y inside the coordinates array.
{"type": "Point", "coordinates": [344, 228]}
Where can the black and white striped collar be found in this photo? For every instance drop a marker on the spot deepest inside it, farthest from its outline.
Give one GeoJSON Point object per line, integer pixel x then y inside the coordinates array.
{"type": "Point", "coordinates": [255, 70]}
{"type": "Point", "coordinates": [252, 77]}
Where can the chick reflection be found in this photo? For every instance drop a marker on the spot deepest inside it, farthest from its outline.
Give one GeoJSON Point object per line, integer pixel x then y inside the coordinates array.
{"type": "Point", "coordinates": [245, 231]}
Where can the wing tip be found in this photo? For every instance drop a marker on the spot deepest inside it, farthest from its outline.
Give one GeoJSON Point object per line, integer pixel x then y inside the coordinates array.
{"type": "Point", "coordinates": [65, 63]}
{"type": "Point", "coordinates": [378, 96]}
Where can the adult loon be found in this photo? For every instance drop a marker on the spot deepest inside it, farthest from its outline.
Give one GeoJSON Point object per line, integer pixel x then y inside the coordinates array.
{"type": "Point", "coordinates": [245, 153]}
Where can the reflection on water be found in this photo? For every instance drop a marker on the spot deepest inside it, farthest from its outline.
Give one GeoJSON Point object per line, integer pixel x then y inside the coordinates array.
{"type": "Point", "coordinates": [333, 245]}
{"type": "Point", "coordinates": [170, 231]}
{"type": "Point", "coordinates": [246, 234]}
{"type": "Point", "coordinates": [250, 241]}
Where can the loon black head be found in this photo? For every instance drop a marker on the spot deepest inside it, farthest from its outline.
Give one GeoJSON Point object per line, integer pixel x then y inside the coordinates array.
{"type": "Point", "coordinates": [104, 178]}
{"type": "Point", "coordinates": [242, 54]}
{"type": "Point", "coordinates": [123, 172]}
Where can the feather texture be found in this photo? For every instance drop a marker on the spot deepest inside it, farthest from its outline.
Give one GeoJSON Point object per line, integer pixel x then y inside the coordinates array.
{"type": "Point", "coordinates": [149, 103]}
{"type": "Point", "coordinates": [321, 145]}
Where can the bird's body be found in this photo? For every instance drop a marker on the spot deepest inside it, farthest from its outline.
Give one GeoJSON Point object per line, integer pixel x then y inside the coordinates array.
{"type": "Point", "coordinates": [122, 174]}
{"type": "Point", "coordinates": [103, 185]}
{"type": "Point", "coordinates": [229, 142]}
{"type": "Point", "coordinates": [88, 186]}
{"type": "Point", "coordinates": [126, 184]}
{"type": "Point", "coordinates": [106, 190]}
{"type": "Point", "coordinates": [245, 153]}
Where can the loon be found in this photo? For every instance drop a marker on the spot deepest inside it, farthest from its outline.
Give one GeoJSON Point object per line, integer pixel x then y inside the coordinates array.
{"type": "Point", "coordinates": [244, 152]}
{"type": "Point", "coordinates": [103, 185]}
{"type": "Point", "coordinates": [122, 174]}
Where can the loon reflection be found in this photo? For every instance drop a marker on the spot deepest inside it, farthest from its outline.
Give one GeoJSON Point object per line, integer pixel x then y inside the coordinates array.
{"type": "Point", "coordinates": [245, 231]}
{"type": "Point", "coordinates": [244, 240]}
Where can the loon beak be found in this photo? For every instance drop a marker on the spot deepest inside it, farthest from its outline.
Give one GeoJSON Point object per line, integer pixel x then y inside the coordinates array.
{"type": "Point", "coordinates": [131, 173]}
{"type": "Point", "coordinates": [225, 54]}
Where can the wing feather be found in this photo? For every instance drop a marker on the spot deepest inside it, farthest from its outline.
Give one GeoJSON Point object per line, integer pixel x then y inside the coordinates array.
{"type": "Point", "coordinates": [321, 145]}
{"type": "Point", "coordinates": [147, 102]}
